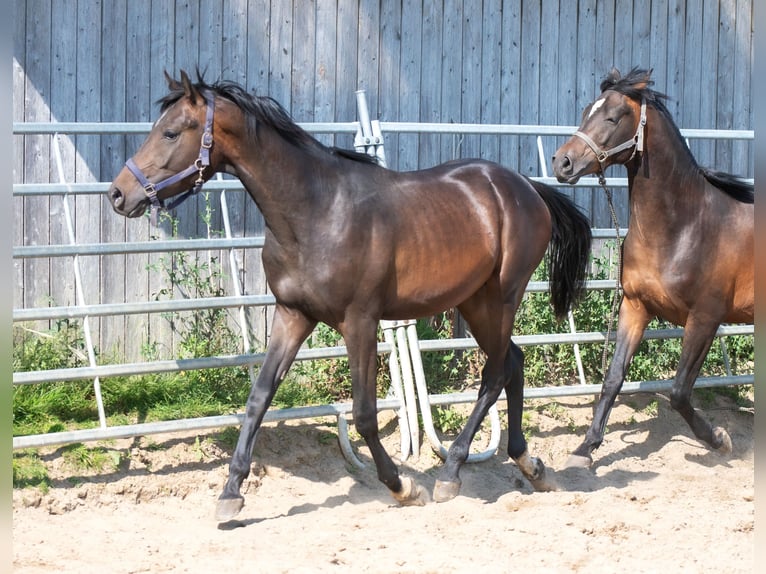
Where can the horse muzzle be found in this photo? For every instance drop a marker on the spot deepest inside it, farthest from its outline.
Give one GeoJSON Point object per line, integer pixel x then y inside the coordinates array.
{"type": "Point", "coordinates": [122, 204]}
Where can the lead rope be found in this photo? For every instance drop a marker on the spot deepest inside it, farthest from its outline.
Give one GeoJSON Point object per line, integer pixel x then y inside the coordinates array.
{"type": "Point", "coordinates": [618, 291]}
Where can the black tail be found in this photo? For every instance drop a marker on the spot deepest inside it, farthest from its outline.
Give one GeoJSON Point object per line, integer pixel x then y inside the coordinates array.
{"type": "Point", "coordinates": [569, 249]}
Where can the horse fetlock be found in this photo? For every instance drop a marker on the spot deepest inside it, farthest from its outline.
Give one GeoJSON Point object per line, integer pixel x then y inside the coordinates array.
{"type": "Point", "coordinates": [228, 508]}
{"type": "Point", "coordinates": [721, 440]}
{"type": "Point", "coordinates": [411, 493]}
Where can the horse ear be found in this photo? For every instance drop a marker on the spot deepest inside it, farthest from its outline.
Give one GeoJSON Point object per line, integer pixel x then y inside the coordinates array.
{"type": "Point", "coordinates": [173, 84]}
{"type": "Point", "coordinates": [189, 90]}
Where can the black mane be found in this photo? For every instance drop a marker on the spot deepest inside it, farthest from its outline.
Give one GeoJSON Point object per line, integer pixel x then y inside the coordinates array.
{"type": "Point", "coordinates": [637, 86]}
{"type": "Point", "coordinates": [266, 110]}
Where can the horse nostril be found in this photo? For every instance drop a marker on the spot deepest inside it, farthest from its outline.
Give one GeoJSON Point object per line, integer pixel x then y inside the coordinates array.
{"type": "Point", "coordinates": [116, 196]}
{"type": "Point", "coordinates": [566, 163]}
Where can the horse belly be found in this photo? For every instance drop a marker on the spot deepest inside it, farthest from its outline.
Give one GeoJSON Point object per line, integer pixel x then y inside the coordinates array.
{"type": "Point", "coordinates": [426, 285]}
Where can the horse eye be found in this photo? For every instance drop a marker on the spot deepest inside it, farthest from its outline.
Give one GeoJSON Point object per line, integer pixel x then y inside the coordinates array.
{"type": "Point", "coordinates": [170, 135]}
{"type": "Point", "coordinates": [612, 120]}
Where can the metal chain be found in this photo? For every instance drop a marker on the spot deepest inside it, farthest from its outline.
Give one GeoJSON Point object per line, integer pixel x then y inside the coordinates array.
{"type": "Point", "coordinates": [618, 291]}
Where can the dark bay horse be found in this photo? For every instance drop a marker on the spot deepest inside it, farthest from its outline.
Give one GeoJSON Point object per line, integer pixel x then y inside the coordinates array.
{"type": "Point", "coordinates": [349, 243]}
{"type": "Point", "coordinates": [688, 254]}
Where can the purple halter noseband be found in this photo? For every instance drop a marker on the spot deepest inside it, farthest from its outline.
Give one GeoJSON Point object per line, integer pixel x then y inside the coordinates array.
{"type": "Point", "coordinates": [198, 167]}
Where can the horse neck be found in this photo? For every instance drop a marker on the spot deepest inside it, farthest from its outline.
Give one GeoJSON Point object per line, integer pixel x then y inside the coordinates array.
{"type": "Point", "coordinates": [279, 177]}
{"type": "Point", "coordinates": [662, 180]}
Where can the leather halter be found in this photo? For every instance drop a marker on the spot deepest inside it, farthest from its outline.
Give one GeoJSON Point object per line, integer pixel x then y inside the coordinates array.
{"type": "Point", "coordinates": [198, 167]}
{"type": "Point", "coordinates": [636, 142]}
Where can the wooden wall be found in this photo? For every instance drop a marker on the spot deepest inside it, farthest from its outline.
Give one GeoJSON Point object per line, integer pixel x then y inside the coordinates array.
{"type": "Point", "coordinates": [496, 61]}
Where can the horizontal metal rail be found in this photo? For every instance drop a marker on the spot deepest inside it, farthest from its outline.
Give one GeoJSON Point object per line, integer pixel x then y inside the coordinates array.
{"type": "Point", "coordinates": [243, 360]}
{"type": "Point", "coordinates": [111, 128]}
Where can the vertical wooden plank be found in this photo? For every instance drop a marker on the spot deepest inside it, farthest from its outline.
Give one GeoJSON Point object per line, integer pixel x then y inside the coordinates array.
{"type": "Point", "coordinates": [510, 85]}
{"type": "Point", "coordinates": [19, 142]}
{"type": "Point", "coordinates": [409, 81]}
{"type": "Point", "coordinates": [258, 54]}
{"type": "Point", "coordinates": [471, 78]}
{"type": "Point", "coordinates": [347, 71]}
{"type": "Point", "coordinates": [743, 152]}
{"type": "Point", "coordinates": [160, 35]}
{"type": "Point", "coordinates": [491, 76]}
{"type": "Point", "coordinates": [87, 208]}
{"type": "Point", "coordinates": [431, 80]}
{"type": "Point", "coordinates": [725, 81]}
{"type": "Point", "coordinates": [689, 112]}
{"type": "Point", "coordinates": [587, 86]}
{"type": "Point", "coordinates": [62, 107]}
{"type": "Point", "coordinates": [530, 80]}
{"type": "Point", "coordinates": [605, 38]}
{"type": "Point", "coordinates": [368, 53]}
{"type": "Point", "coordinates": [138, 108]}
{"type": "Point", "coordinates": [37, 149]}
{"type": "Point", "coordinates": [676, 38]}
{"type": "Point", "coordinates": [390, 58]}
{"type": "Point", "coordinates": [302, 66]}
{"type": "Point", "coordinates": [658, 42]}
{"type": "Point", "coordinates": [623, 36]}
{"type": "Point", "coordinates": [708, 77]}
{"type": "Point", "coordinates": [280, 52]}
{"type": "Point", "coordinates": [325, 67]}
{"type": "Point", "coordinates": [604, 49]}
{"type": "Point", "coordinates": [447, 107]}
{"type": "Point", "coordinates": [549, 89]}
{"type": "Point", "coordinates": [258, 40]}
{"type": "Point", "coordinates": [212, 38]}
{"type": "Point", "coordinates": [113, 156]}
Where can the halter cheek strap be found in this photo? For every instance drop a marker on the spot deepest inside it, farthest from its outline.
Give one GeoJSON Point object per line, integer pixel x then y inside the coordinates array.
{"type": "Point", "coordinates": [636, 142]}
{"type": "Point", "coordinates": [198, 167]}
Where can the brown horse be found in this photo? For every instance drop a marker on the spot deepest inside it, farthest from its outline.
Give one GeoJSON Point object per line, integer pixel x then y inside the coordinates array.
{"type": "Point", "coordinates": [688, 254]}
{"type": "Point", "coordinates": [349, 243]}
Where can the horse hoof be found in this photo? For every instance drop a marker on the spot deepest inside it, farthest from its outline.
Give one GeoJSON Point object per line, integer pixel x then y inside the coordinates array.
{"type": "Point", "coordinates": [444, 491]}
{"type": "Point", "coordinates": [411, 494]}
{"type": "Point", "coordinates": [228, 508]}
{"type": "Point", "coordinates": [721, 440]}
{"type": "Point", "coordinates": [543, 482]}
{"type": "Point", "coordinates": [578, 461]}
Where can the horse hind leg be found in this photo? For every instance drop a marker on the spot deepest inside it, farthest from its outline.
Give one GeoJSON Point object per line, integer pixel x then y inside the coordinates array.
{"type": "Point", "coordinates": [531, 467]}
{"type": "Point", "coordinates": [696, 344]}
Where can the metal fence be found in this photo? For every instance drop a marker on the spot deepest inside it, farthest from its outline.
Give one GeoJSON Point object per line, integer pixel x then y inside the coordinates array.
{"type": "Point", "coordinates": [400, 339]}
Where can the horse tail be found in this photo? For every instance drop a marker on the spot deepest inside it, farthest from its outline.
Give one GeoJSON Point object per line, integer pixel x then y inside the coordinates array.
{"type": "Point", "coordinates": [569, 249]}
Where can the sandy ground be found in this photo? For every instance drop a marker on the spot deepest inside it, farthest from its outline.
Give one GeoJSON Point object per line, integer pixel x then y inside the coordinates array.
{"type": "Point", "coordinates": [655, 500]}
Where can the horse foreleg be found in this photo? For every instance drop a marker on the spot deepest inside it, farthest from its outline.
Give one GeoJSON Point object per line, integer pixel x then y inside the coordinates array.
{"type": "Point", "coordinates": [361, 341]}
{"type": "Point", "coordinates": [289, 330]}
{"type": "Point", "coordinates": [631, 323]}
{"type": "Point", "coordinates": [696, 343]}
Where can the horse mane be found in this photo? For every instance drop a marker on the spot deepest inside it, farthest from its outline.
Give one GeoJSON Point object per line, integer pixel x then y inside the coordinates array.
{"type": "Point", "coordinates": [637, 86]}
{"type": "Point", "coordinates": [266, 110]}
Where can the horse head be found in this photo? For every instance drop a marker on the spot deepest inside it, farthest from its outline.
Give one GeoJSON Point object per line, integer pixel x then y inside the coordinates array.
{"type": "Point", "coordinates": [174, 158]}
{"type": "Point", "coordinates": [611, 130]}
